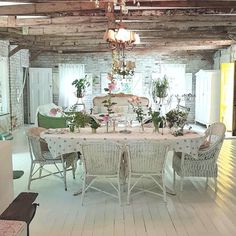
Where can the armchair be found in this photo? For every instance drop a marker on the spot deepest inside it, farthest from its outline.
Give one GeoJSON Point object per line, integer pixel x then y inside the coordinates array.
{"type": "Point", "coordinates": [205, 165]}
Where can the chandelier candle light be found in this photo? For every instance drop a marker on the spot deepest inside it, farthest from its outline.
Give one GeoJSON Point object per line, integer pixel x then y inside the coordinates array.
{"type": "Point", "coordinates": [119, 40]}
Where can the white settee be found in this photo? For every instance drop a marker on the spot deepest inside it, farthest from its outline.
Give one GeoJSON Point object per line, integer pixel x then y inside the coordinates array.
{"type": "Point", "coordinates": [122, 105]}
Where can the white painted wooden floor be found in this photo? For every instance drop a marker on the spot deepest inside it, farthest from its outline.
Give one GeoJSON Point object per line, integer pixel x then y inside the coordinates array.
{"type": "Point", "coordinates": [195, 211]}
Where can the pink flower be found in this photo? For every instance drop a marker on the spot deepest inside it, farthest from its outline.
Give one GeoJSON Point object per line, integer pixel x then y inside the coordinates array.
{"type": "Point", "coordinates": [109, 76]}
{"type": "Point", "coordinates": [105, 118]}
{"type": "Point", "coordinates": [54, 111]}
{"type": "Point", "coordinates": [134, 99]}
{"type": "Point", "coordinates": [111, 86]}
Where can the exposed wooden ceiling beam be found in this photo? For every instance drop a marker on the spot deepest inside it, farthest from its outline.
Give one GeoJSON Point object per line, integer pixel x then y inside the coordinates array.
{"type": "Point", "coordinates": [46, 8]}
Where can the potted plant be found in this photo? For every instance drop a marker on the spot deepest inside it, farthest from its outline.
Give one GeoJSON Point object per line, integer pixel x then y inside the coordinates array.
{"type": "Point", "coordinates": [160, 87]}
{"type": "Point", "coordinates": [81, 85]}
{"type": "Point", "coordinates": [76, 119]}
{"type": "Point", "coordinates": [94, 124]}
{"type": "Point", "coordinates": [156, 119]}
{"type": "Point", "coordinates": [176, 119]}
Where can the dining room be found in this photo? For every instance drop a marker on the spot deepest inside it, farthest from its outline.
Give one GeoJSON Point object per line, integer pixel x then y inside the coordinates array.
{"type": "Point", "coordinates": [120, 115]}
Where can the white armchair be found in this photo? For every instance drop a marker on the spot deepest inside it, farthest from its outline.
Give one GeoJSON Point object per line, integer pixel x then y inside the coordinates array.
{"type": "Point", "coordinates": [41, 157]}
{"type": "Point", "coordinates": [205, 165]}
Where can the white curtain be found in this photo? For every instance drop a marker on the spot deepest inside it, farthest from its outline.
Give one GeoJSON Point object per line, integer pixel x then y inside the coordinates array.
{"type": "Point", "coordinates": [67, 74]}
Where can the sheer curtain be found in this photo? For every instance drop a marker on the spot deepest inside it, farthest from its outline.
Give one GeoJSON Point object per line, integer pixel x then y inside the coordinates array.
{"type": "Point", "coordinates": [67, 74]}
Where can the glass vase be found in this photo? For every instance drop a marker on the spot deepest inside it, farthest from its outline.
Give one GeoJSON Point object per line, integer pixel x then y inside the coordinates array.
{"type": "Point", "coordinates": [141, 127]}
{"type": "Point", "coordinates": [72, 128]}
{"type": "Point", "coordinates": [107, 126]}
{"type": "Point", "coordinates": [156, 127]}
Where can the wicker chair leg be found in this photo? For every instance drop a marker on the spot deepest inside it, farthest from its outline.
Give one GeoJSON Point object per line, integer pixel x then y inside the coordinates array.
{"type": "Point", "coordinates": [128, 194]}
{"type": "Point", "coordinates": [30, 175]}
{"type": "Point", "coordinates": [164, 190]}
{"type": "Point", "coordinates": [64, 174]}
{"type": "Point", "coordinates": [73, 170]}
{"type": "Point", "coordinates": [83, 190]}
{"type": "Point", "coordinates": [40, 170]}
{"type": "Point", "coordinates": [206, 182]}
{"type": "Point", "coordinates": [119, 192]}
{"type": "Point", "coordinates": [216, 187]}
{"type": "Point", "coordinates": [181, 183]}
{"type": "Point", "coordinates": [174, 180]}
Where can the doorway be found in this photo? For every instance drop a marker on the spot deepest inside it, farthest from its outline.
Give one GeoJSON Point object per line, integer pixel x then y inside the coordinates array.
{"type": "Point", "coordinates": [227, 107]}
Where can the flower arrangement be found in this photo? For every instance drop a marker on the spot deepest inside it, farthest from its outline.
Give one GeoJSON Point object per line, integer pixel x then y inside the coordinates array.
{"type": "Point", "coordinates": [136, 105]}
{"type": "Point", "coordinates": [76, 119]}
{"type": "Point", "coordinates": [177, 119]}
{"type": "Point", "coordinates": [156, 119]}
{"type": "Point", "coordinates": [108, 102]}
{"type": "Point", "coordinates": [81, 85]}
{"type": "Point", "coordinates": [160, 87]}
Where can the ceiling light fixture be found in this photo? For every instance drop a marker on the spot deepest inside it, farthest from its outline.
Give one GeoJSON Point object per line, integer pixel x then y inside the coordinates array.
{"type": "Point", "coordinates": [121, 38]}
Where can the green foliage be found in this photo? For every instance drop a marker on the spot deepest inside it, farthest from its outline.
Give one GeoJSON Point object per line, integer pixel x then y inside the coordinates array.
{"type": "Point", "coordinates": [93, 123]}
{"type": "Point", "coordinates": [81, 86]}
{"type": "Point", "coordinates": [176, 118]}
{"type": "Point", "coordinates": [160, 87]}
{"type": "Point", "coordinates": [138, 109]}
{"type": "Point", "coordinates": [156, 118]}
{"type": "Point", "coordinates": [79, 119]}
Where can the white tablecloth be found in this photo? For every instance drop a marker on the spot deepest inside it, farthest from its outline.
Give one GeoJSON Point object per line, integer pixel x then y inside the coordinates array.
{"type": "Point", "coordinates": [13, 228]}
{"type": "Point", "coordinates": [60, 143]}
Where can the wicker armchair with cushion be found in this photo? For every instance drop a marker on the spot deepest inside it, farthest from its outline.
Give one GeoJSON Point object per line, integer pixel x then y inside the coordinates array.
{"type": "Point", "coordinates": [41, 157]}
{"type": "Point", "coordinates": [205, 165]}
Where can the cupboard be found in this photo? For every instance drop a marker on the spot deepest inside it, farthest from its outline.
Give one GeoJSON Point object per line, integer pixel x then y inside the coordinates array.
{"type": "Point", "coordinates": [207, 101]}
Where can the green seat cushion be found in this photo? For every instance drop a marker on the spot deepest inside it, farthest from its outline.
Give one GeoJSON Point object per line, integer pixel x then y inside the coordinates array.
{"type": "Point", "coordinates": [51, 122]}
{"type": "Point", "coordinates": [6, 136]}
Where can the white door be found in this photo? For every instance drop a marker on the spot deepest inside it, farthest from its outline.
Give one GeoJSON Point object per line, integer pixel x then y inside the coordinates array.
{"type": "Point", "coordinates": [40, 83]}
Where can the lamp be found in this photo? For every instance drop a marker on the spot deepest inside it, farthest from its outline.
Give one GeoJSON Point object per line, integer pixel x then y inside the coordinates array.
{"type": "Point", "coordinates": [119, 40]}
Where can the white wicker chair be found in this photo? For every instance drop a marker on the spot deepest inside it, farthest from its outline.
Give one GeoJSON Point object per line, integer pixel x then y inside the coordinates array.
{"type": "Point", "coordinates": [147, 159]}
{"type": "Point", "coordinates": [41, 156]}
{"type": "Point", "coordinates": [102, 161]}
{"type": "Point", "coordinates": [205, 165]}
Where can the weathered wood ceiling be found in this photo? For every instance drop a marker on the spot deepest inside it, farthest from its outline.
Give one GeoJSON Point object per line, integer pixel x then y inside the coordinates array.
{"type": "Point", "coordinates": [79, 26]}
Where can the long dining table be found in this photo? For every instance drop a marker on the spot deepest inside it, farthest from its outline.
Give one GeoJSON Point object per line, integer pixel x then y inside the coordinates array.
{"type": "Point", "coordinates": [62, 141]}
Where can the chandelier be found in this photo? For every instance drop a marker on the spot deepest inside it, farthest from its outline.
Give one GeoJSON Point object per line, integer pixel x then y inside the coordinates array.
{"type": "Point", "coordinates": [121, 38]}
{"type": "Point", "coordinates": [120, 66]}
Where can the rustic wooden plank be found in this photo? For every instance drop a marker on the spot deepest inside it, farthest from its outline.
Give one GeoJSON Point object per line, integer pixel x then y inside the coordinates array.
{"type": "Point", "coordinates": [44, 8]}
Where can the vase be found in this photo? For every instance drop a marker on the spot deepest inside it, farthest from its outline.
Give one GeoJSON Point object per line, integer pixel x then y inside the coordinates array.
{"type": "Point", "coordinates": [107, 126]}
{"type": "Point", "coordinates": [156, 127]}
{"type": "Point", "coordinates": [94, 131]}
{"type": "Point", "coordinates": [141, 127]}
{"type": "Point", "coordinates": [72, 128]}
